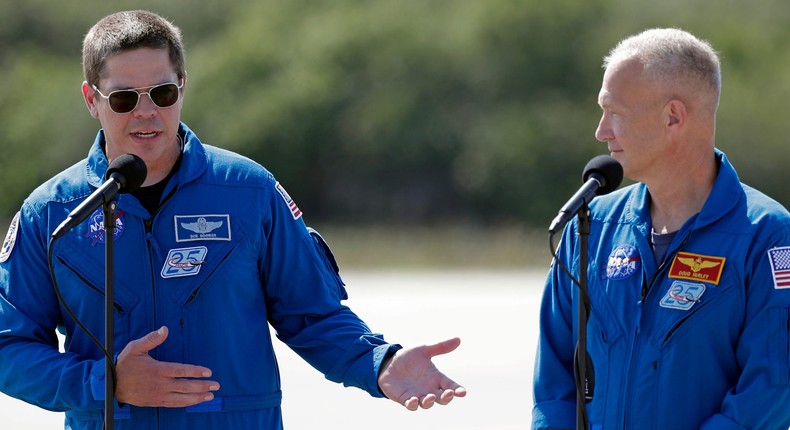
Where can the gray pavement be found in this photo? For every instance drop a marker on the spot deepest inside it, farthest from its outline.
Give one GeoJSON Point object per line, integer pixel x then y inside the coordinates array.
{"type": "Point", "coordinates": [494, 313]}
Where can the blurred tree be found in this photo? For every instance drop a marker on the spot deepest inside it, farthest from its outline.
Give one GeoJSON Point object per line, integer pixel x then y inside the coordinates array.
{"type": "Point", "coordinates": [408, 111]}
{"type": "Point", "coordinates": [396, 112]}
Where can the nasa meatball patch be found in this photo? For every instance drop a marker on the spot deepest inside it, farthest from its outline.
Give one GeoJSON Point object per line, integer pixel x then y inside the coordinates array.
{"type": "Point", "coordinates": [623, 262]}
{"type": "Point", "coordinates": [96, 232]}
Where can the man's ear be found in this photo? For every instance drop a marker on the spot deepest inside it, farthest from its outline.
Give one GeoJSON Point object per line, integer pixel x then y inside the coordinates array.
{"type": "Point", "coordinates": [183, 91]}
{"type": "Point", "coordinates": [675, 113]}
{"type": "Point", "coordinates": [89, 94]}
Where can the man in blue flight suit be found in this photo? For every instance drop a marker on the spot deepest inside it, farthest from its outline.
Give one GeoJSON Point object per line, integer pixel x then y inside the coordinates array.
{"type": "Point", "coordinates": [689, 297]}
{"type": "Point", "coordinates": [210, 251]}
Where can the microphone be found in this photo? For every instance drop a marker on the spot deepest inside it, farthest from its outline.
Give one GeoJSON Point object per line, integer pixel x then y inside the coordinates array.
{"type": "Point", "coordinates": [125, 174]}
{"type": "Point", "coordinates": [602, 175]}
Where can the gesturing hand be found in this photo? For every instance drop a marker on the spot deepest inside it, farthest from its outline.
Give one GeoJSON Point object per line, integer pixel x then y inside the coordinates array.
{"type": "Point", "coordinates": [410, 378]}
{"type": "Point", "coordinates": [143, 381]}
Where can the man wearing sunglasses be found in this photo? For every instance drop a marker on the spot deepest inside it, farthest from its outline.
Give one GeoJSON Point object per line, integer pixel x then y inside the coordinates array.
{"type": "Point", "coordinates": [209, 251]}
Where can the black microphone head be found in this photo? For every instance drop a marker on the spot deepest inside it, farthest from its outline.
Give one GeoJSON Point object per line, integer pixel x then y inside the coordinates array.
{"type": "Point", "coordinates": [608, 169]}
{"type": "Point", "coordinates": [129, 170]}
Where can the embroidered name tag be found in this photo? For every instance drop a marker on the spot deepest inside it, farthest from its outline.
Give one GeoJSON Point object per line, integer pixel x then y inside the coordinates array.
{"type": "Point", "coordinates": [697, 267]}
{"type": "Point", "coordinates": [202, 227]}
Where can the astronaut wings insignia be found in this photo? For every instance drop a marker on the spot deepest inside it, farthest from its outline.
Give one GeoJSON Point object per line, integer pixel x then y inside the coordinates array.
{"type": "Point", "coordinates": [202, 227]}
{"type": "Point", "coordinates": [698, 264]}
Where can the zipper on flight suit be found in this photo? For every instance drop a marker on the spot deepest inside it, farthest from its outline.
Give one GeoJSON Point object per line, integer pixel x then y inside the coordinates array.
{"type": "Point", "coordinates": [149, 223]}
{"type": "Point", "coordinates": [646, 287]}
{"type": "Point", "coordinates": [148, 227]}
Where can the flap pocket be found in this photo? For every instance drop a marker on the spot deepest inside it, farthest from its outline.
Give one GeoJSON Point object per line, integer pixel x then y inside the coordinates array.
{"type": "Point", "coordinates": [186, 270]}
{"type": "Point", "coordinates": [73, 262]}
{"type": "Point", "coordinates": [779, 345]}
{"type": "Point", "coordinates": [326, 261]}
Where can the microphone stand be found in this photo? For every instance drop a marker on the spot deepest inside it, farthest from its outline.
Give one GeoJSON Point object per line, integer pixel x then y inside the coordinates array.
{"type": "Point", "coordinates": [109, 315]}
{"type": "Point", "coordinates": [580, 357]}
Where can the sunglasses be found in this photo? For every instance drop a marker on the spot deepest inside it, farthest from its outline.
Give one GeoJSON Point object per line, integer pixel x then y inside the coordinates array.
{"type": "Point", "coordinates": [124, 101]}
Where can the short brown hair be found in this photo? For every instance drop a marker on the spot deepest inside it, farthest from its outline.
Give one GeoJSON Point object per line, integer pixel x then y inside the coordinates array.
{"type": "Point", "coordinates": [125, 31]}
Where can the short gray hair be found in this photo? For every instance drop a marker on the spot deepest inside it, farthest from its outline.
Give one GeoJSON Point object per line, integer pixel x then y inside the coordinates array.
{"type": "Point", "coordinates": [674, 56]}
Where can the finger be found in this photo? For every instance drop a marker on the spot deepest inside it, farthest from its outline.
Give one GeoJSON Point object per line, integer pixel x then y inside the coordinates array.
{"type": "Point", "coordinates": [444, 347]}
{"type": "Point", "coordinates": [412, 403]}
{"type": "Point", "coordinates": [149, 341]}
{"type": "Point", "coordinates": [178, 370]}
{"type": "Point", "coordinates": [178, 400]}
{"type": "Point", "coordinates": [192, 386]}
{"type": "Point", "coordinates": [449, 384]}
{"type": "Point", "coordinates": [428, 401]}
{"type": "Point", "coordinates": [445, 397]}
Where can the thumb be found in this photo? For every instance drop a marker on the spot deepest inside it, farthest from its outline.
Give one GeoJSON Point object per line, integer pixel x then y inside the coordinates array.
{"type": "Point", "coordinates": [444, 347]}
{"type": "Point", "coordinates": [150, 341]}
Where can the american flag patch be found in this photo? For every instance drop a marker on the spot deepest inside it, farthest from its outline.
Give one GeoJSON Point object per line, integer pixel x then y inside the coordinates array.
{"type": "Point", "coordinates": [295, 212]}
{"type": "Point", "coordinates": [780, 266]}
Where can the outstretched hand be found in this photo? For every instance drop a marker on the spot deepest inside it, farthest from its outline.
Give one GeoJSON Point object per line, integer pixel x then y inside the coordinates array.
{"type": "Point", "coordinates": [410, 378]}
{"type": "Point", "coordinates": [143, 381]}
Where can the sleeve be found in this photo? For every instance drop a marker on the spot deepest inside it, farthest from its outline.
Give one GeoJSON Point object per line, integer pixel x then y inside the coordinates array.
{"type": "Point", "coordinates": [32, 368]}
{"type": "Point", "coordinates": [761, 397]}
{"type": "Point", "coordinates": [554, 388]}
{"type": "Point", "coordinates": [304, 293]}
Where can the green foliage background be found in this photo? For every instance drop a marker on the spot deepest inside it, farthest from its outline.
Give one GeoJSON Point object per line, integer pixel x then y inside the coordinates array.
{"type": "Point", "coordinates": [400, 112]}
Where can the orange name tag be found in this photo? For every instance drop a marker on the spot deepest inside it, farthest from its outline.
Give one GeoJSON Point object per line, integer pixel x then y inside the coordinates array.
{"type": "Point", "coordinates": [697, 267]}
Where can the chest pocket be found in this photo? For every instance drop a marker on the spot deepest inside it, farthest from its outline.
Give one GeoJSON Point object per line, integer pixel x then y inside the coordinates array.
{"type": "Point", "coordinates": [79, 272]}
{"type": "Point", "coordinates": [86, 264]}
{"type": "Point", "coordinates": [187, 270]}
{"type": "Point", "coordinates": [688, 307]}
